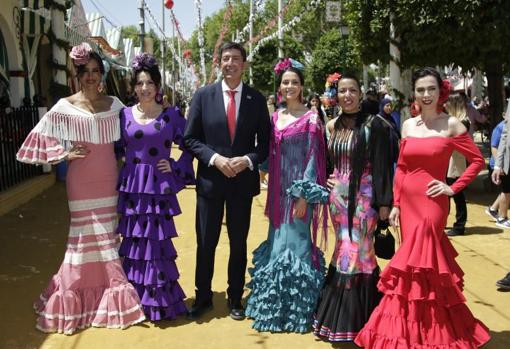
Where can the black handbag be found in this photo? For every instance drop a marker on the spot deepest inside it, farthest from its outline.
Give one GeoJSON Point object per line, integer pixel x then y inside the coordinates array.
{"type": "Point", "coordinates": [384, 242]}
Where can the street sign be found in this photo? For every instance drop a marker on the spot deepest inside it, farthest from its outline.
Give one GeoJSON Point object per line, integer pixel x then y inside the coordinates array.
{"type": "Point", "coordinates": [333, 11]}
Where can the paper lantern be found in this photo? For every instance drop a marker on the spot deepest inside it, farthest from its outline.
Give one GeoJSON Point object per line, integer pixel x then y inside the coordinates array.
{"type": "Point", "coordinates": [169, 4]}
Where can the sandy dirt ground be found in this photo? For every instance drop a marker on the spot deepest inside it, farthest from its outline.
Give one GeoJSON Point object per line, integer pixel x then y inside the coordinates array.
{"type": "Point", "coordinates": [32, 245]}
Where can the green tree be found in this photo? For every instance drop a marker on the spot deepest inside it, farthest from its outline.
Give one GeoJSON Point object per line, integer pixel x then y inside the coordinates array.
{"type": "Point", "coordinates": [305, 34]}
{"type": "Point", "coordinates": [332, 53]}
{"type": "Point", "coordinates": [263, 63]}
{"type": "Point", "coordinates": [468, 33]}
{"type": "Point", "coordinates": [213, 26]}
{"type": "Point", "coordinates": [133, 32]}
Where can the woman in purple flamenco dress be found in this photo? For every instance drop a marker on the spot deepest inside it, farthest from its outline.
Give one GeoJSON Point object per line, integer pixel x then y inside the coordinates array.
{"type": "Point", "coordinates": [148, 184]}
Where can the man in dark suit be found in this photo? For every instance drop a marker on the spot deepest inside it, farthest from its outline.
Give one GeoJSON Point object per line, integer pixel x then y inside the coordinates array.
{"type": "Point", "coordinates": [228, 132]}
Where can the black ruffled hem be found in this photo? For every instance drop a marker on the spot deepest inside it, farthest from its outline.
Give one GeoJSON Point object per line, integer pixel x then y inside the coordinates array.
{"type": "Point", "coordinates": [345, 304]}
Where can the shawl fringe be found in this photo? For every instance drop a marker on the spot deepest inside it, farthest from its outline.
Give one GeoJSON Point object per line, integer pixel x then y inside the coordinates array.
{"type": "Point", "coordinates": [68, 123]}
{"type": "Point", "coordinates": [78, 128]}
{"type": "Point", "coordinates": [307, 129]}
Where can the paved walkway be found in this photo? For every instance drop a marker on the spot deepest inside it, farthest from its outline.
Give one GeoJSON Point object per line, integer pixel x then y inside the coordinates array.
{"type": "Point", "coordinates": [32, 244]}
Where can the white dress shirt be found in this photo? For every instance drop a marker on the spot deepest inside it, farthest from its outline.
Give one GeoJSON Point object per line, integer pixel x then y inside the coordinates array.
{"type": "Point", "coordinates": [226, 96]}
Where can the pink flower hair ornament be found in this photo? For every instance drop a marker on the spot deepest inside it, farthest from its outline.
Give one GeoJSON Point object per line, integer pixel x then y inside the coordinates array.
{"type": "Point", "coordinates": [286, 63]}
{"type": "Point", "coordinates": [80, 54]}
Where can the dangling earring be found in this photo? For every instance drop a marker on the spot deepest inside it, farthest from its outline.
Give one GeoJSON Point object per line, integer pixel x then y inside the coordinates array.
{"type": "Point", "coordinates": [414, 109]}
{"type": "Point", "coordinates": [279, 96]}
{"type": "Point", "coordinates": [159, 97]}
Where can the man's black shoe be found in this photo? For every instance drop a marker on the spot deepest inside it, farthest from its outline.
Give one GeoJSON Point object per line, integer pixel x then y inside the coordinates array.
{"type": "Point", "coordinates": [504, 283]}
{"type": "Point", "coordinates": [236, 309]}
{"type": "Point", "coordinates": [198, 309]}
{"type": "Point", "coordinates": [453, 232]}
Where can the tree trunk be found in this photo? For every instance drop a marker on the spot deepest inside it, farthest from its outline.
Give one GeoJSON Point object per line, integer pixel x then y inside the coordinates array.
{"type": "Point", "coordinates": [494, 70]}
{"type": "Point", "coordinates": [395, 63]}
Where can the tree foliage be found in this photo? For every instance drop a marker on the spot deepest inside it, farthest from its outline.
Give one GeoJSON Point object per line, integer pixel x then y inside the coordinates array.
{"type": "Point", "coordinates": [433, 32]}
{"type": "Point", "coordinates": [467, 33]}
{"type": "Point", "coordinates": [332, 53]}
{"type": "Point", "coordinates": [133, 32]}
{"type": "Point", "coordinates": [298, 42]}
{"type": "Point", "coordinates": [263, 63]}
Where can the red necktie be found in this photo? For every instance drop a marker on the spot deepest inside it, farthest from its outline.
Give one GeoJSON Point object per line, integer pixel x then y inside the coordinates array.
{"type": "Point", "coordinates": [231, 114]}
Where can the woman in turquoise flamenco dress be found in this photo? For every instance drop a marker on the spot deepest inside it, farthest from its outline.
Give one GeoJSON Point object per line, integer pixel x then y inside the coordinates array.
{"type": "Point", "coordinates": [288, 269]}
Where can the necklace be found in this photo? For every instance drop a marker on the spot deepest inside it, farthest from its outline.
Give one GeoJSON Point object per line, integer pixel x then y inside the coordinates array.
{"type": "Point", "coordinates": [146, 115]}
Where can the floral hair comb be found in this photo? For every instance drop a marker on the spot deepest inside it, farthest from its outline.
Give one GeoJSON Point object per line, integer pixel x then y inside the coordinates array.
{"type": "Point", "coordinates": [143, 61]}
{"type": "Point", "coordinates": [80, 54]}
{"type": "Point", "coordinates": [286, 63]}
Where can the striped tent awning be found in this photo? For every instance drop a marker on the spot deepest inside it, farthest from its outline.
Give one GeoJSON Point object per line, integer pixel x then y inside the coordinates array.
{"type": "Point", "coordinates": [4, 59]}
{"type": "Point", "coordinates": [35, 17]}
{"type": "Point", "coordinates": [75, 37]}
{"type": "Point", "coordinates": [35, 21]}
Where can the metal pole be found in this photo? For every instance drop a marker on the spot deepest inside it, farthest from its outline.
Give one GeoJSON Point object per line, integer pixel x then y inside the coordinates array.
{"type": "Point", "coordinates": [173, 64]}
{"type": "Point", "coordinates": [142, 25]}
{"type": "Point", "coordinates": [163, 48]}
{"type": "Point", "coordinates": [179, 54]}
{"type": "Point", "coordinates": [365, 77]}
{"type": "Point", "coordinates": [280, 32]}
{"type": "Point", "coordinates": [395, 73]}
{"type": "Point", "coordinates": [250, 48]}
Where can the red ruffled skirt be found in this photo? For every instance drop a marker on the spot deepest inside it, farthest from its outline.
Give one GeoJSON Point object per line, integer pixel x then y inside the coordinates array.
{"type": "Point", "coordinates": [423, 306]}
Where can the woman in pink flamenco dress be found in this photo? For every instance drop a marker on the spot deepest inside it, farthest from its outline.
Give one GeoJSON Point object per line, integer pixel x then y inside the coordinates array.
{"type": "Point", "coordinates": [90, 288]}
{"type": "Point", "coordinates": [423, 306]}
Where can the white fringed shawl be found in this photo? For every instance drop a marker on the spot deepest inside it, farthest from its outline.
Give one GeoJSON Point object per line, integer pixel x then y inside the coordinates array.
{"type": "Point", "coordinates": [67, 122]}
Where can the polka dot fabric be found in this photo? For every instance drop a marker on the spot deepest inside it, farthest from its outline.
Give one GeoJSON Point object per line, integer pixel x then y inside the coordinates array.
{"type": "Point", "coordinates": [147, 204]}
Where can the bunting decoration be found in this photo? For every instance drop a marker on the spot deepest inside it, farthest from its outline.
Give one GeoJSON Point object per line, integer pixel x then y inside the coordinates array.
{"type": "Point", "coordinates": [259, 6]}
{"type": "Point", "coordinates": [288, 26]}
{"type": "Point", "coordinates": [198, 5]}
{"type": "Point", "coordinates": [216, 60]}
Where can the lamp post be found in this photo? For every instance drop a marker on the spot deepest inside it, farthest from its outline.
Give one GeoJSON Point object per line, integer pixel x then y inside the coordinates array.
{"type": "Point", "coordinates": [163, 47]}
{"type": "Point", "coordinates": [280, 32]}
{"type": "Point", "coordinates": [142, 25]}
{"type": "Point", "coordinates": [250, 48]}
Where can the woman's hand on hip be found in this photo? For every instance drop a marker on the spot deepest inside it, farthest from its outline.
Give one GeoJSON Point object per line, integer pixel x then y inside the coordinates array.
{"type": "Point", "coordinates": [164, 166]}
{"type": "Point", "coordinates": [332, 181]}
{"type": "Point", "coordinates": [437, 188]}
{"type": "Point", "coordinates": [78, 151]}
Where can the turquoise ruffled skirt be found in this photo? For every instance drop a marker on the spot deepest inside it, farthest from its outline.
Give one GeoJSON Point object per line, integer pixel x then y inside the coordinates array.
{"type": "Point", "coordinates": [285, 285]}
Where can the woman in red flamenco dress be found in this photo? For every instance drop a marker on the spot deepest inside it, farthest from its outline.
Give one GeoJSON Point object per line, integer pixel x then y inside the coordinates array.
{"type": "Point", "coordinates": [423, 306]}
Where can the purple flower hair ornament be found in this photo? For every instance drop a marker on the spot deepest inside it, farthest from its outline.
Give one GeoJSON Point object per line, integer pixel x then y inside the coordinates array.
{"type": "Point", "coordinates": [285, 64]}
{"type": "Point", "coordinates": [143, 61]}
{"type": "Point", "coordinates": [80, 54]}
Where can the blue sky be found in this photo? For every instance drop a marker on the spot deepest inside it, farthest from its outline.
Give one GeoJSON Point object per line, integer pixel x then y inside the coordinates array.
{"type": "Point", "coordinates": [125, 12]}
